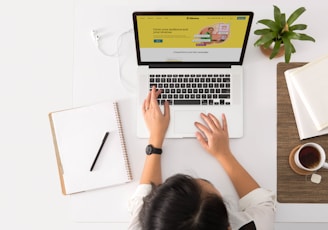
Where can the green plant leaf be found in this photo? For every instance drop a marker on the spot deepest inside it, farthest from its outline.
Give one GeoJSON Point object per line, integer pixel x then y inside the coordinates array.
{"type": "Point", "coordinates": [264, 39]}
{"type": "Point", "coordinates": [295, 15]}
{"type": "Point", "coordinates": [282, 21]}
{"type": "Point", "coordinates": [262, 31]}
{"type": "Point", "coordinates": [269, 23]}
{"type": "Point", "coordinates": [289, 48]}
{"type": "Point", "coordinates": [292, 47]}
{"type": "Point", "coordinates": [275, 49]}
{"type": "Point", "coordinates": [277, 14]}
{"type": "Point", "coordinates": [306, 37]}
{"type": "Point", "coordinates": [297, 27]}
{"type": "Point", "coordinates": [291, 35]}
{"type": "Point", "coordinates": [298, 36]}
{"type": "Point", "coordinates": [267, 44]}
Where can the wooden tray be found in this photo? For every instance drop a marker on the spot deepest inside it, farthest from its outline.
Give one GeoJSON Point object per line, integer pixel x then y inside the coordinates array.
{"type": "Point", "coordinates": [294, 186]}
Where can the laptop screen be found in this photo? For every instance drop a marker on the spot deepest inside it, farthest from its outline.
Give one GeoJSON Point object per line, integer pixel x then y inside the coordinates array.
{"type": "Point", "coordinates": [191, 37]}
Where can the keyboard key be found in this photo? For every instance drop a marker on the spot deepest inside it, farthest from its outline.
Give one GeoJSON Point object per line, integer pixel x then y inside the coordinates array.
{"type": "Point", "coordinates": [186, 102]}
{"type": "Point", "coordinates": [204, 102]}
{"type": "Point", "coordinates": [224, 96]}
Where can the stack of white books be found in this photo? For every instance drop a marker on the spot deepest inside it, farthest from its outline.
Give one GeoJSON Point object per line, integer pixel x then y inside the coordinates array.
{"type": "Point", "coordinates": [308, 90]}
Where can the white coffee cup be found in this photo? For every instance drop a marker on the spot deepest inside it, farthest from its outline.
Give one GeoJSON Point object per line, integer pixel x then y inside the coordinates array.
{"type": "Point", "coordinates": [310, 157]}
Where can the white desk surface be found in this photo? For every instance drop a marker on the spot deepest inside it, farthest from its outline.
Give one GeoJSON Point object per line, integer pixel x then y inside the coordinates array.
{"type": "Point", "coordinates": [45, 67]}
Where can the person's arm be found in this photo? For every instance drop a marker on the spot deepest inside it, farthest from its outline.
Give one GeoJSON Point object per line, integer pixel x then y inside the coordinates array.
{"type": "Point", "coordinates": [214, 138]}
{"type": "Point", "coordinates": [157, 124]}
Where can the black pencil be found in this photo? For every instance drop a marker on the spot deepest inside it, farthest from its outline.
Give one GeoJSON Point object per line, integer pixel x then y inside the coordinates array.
{"type": "Point", "coordinates": [99, 151]}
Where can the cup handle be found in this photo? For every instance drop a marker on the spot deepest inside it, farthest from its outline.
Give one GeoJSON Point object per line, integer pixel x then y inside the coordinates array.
{"type": "Point", "coordinates": [325, 165]}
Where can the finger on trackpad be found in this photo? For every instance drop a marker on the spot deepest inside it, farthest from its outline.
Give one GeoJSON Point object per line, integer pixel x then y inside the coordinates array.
{"type": "Point", "coordinates": [184, 121]}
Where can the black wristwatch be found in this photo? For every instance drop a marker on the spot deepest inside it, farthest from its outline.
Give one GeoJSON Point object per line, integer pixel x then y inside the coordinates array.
{"type": "Point", "coordinates": [152, 150]}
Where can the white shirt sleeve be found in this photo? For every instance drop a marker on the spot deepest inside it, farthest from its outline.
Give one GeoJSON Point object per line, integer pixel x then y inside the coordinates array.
{"type": "Point", "coordinates": [135, 204]}
{"type": "Point", "coordinates": [260, 205]}
{"type": "Point", "coordinates": [257, 206]}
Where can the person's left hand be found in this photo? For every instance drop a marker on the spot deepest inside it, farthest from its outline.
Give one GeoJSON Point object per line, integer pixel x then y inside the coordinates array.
{"type": "Point", "coordinates": [156, 121]}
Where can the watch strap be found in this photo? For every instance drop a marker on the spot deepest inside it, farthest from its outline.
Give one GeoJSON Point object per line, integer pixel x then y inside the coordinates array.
{"type": "Point", "coordinates": [152, 150]}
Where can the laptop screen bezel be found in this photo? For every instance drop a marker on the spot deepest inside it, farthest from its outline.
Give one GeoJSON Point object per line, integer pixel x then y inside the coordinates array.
{"type": "Point", "coordinates": [191, 64]}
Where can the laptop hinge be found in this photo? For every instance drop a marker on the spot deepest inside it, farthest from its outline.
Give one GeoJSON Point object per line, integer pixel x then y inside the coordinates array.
{"type": "Point", "coordinates": [188, 65]}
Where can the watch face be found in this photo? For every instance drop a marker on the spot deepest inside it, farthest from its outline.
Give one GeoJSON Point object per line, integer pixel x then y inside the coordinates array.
{"type": "Point", "coordinates": [149, 149]}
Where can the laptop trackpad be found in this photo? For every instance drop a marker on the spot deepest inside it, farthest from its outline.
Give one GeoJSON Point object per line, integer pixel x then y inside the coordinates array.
{"type": "Point", "coordinates": [184, 121]}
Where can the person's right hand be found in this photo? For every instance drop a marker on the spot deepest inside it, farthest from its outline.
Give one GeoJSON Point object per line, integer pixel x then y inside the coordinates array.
{"type": "Point", "coordinates": [156, 121]}
{"type": "Point", "coordinates": [213, 136]}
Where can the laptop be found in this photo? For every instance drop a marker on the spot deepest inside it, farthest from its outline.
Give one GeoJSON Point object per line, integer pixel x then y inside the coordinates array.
{"type": "Point", "coordinates": [195, 58]}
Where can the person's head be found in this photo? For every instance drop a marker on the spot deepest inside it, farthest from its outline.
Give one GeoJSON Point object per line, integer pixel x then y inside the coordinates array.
{"type": "Point", "coordinates": [183, 202]}
{"type": "Point", "coordinates": [210, 29]}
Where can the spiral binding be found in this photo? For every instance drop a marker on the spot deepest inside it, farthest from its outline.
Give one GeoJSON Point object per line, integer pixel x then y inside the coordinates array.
{"type": "Point", "coordinates": [122, 140]}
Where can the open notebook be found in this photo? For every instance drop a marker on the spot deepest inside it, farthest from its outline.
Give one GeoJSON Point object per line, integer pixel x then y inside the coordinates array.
{"type": "Point", "coordinates": [78, 134]}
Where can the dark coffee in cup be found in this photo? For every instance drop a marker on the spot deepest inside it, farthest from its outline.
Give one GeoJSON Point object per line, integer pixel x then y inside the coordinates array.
{"type": "Point", "coordinates": [309, 157]}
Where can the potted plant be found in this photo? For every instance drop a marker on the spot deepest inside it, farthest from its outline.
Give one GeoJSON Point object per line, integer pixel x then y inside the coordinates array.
{"type": "Point", "coordinates": [280, 33]}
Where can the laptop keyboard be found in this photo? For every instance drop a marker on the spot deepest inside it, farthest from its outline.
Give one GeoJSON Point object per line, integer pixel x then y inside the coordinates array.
{"type": "Point", "coordinates": [192, 89]}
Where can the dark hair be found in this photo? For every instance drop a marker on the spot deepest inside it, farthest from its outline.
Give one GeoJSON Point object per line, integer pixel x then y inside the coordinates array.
{"type": "Point", "coordinates": [179, 203]}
